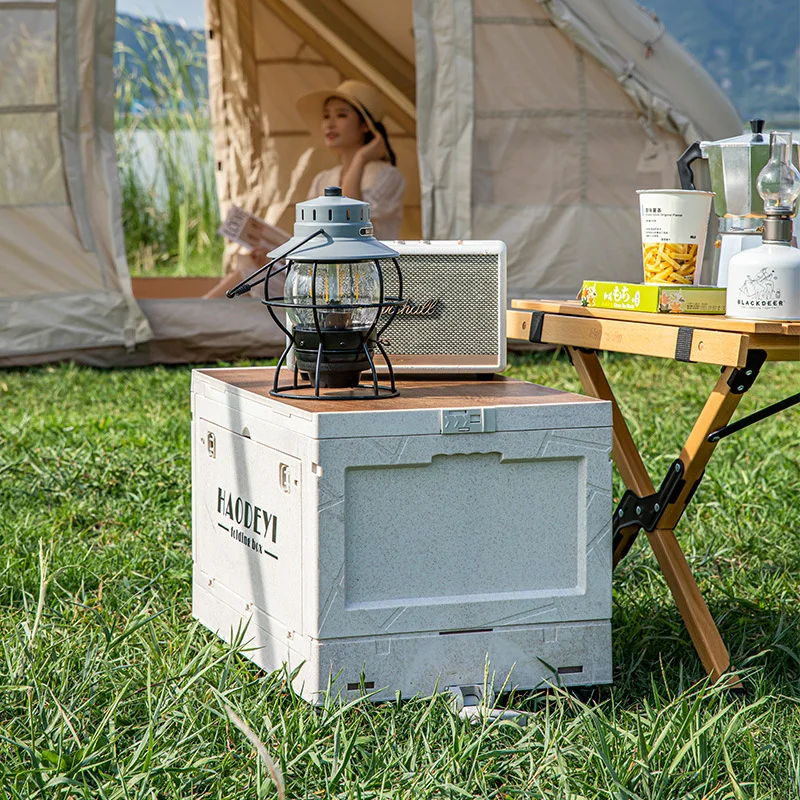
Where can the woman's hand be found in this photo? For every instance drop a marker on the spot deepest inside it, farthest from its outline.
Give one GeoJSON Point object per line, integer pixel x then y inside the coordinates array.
{"type": "Point", "coordinates": [372, 151]}
{"type": "Point", "coordinates": [351, 177]}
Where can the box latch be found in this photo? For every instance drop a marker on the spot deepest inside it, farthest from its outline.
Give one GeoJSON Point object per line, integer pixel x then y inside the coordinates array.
{"type": "Point", "coordinates": [467, 420]}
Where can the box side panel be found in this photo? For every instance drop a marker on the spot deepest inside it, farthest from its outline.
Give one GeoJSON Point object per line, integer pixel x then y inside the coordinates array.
{"type": "Point", "coordinates": [225, 613]}
{"type": "Point", "coordinates": [280, 433]}
{"type": "Point", "coordinates": [448, 530]}
{"type": "Point", "coordinates": [194, 469]}
{"type": "Point", "coordinates": [439, 533]}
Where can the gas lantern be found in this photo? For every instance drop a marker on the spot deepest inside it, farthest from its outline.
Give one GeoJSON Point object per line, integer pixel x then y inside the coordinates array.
{"type": "Point", "coordinates": [336, 307]}
{"type": "Point", "coordinates": [764, 282]}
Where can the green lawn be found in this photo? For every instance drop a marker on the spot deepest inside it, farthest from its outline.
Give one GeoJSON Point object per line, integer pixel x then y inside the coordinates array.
{"type": "Point", "coordinates": [109, 689]}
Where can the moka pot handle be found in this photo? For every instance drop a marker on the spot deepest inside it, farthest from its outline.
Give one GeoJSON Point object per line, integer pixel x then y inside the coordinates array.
{"type": "Point", "coordinates": [685, 174]}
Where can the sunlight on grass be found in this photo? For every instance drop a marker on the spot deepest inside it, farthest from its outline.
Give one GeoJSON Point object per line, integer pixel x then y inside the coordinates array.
{"type": "Point", "coordinates": [108, 688]}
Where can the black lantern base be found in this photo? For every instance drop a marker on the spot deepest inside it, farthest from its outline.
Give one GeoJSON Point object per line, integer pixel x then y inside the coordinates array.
{"type": "Point", "coordinates": [345, 355]}
{"type": "Point", "coordinates": [334, 361]}
{"type": "Point", "coordinates": [340, 379]}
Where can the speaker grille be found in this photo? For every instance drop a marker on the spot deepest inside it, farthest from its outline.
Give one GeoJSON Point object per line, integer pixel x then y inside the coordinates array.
{"type": "Point", "coordinates": [465, 318]}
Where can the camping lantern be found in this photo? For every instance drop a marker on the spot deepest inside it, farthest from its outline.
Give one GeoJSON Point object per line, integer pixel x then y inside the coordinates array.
{"type": "Point", "coordinates": [764, 281]}
{"type": "Point", "coordinates": [334, 300]}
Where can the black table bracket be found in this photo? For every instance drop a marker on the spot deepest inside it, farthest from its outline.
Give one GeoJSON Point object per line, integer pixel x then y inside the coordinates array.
{"type": "Point", "coordinates": [645, 512]}
{"type": "Point", "coordinates": [742, 378]}
{"type": "Point", "coordinates": [683, 344]}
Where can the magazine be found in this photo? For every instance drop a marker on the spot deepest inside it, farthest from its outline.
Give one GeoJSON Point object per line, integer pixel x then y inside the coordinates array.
{"type": "Point", "coordinates": [250, 231]}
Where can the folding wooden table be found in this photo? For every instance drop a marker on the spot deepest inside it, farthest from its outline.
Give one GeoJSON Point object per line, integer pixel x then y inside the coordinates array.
{"type": "Point", "coordinates": [740, 347]}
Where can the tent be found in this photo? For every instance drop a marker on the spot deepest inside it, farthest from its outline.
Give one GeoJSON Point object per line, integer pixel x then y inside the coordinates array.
{"type": "Point", "coordinates": [532, 121]}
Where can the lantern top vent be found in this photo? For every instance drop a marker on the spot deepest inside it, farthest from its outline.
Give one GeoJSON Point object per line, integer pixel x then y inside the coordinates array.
{"type": "Point", "coordinates": [346, 232]}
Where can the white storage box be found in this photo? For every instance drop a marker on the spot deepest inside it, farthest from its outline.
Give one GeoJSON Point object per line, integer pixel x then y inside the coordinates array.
{"type": "Point", "coordinates": [402, 541]}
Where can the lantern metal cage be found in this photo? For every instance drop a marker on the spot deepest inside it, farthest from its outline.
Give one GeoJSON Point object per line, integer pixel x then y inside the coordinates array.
{"type": "Point", "coordinates": [331, 351]}
{"type": "Point", "coordinates": [336, 348]}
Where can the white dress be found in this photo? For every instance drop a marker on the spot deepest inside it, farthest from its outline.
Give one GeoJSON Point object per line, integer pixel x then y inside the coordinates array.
{"type": "Point", "coordinates": [382, 186]}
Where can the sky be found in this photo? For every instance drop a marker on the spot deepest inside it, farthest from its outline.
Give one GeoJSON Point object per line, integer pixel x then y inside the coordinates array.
{"type": "Point", "coordinates": [187, 12]}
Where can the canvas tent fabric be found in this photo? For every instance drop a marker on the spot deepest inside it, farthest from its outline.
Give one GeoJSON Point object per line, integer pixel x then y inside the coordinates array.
{"type": "Point", "coordinates": [531, 121]}
{"type": "Point", "coordinates": [535, 121]}
{"type": "Point", "coordinates": [556, 113]}
{"type": "Point", "coordinates": [64, 284]}
{"type": "Point", "coordinates": [65, 289]}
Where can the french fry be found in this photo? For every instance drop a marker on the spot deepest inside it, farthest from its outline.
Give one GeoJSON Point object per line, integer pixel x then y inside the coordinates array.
{"type": "Point", "coordinates": [669, 262]}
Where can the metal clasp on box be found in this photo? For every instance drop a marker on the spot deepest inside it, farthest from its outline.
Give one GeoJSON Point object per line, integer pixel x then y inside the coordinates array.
{"type": "Point", "coordinates": [284, 478]}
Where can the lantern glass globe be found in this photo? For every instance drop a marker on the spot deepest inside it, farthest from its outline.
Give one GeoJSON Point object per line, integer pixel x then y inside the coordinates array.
{"type": "Point", "coordinates": [349, 283]}
{"type": "Point", "coordinates": [779, 182]}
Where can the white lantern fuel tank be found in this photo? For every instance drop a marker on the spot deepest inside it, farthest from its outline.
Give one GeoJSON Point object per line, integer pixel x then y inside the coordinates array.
{"type": "Point", "coordinates": [764, 282]}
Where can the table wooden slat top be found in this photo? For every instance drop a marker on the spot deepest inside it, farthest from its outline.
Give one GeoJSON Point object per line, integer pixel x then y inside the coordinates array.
{"type": "Point", "coordinates": [717, 322]}
{"type": "Point", "coordinates": [414, 394]}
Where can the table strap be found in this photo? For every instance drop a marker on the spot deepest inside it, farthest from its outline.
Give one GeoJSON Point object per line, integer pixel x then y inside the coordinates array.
{"type": "Point", "coordinates": [683, 344]}
{"type": "Point", "coordinates": [536, 325]}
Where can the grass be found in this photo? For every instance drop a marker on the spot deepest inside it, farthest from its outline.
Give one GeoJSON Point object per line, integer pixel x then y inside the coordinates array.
{"type": "Point", "coordinates": [109, 689]}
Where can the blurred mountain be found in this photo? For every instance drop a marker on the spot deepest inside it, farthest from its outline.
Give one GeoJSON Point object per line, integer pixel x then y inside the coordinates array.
{"type": "Point", "coordinates": [752, 50]}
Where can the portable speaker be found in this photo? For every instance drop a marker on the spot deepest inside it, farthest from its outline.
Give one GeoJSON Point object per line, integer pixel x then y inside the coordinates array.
{"type": "Point", "coordinates": [454, 320]}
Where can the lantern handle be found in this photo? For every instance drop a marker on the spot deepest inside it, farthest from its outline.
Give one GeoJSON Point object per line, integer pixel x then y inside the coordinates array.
{"type": "Point", "coordinates": [246, 285]}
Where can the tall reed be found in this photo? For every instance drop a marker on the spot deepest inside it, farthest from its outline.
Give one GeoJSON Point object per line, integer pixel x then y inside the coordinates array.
{"type": "Point", "coordinates": [169, 203]}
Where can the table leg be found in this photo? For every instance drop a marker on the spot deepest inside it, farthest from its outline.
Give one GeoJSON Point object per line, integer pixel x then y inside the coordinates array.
{"type": "Point", "coordinates": [697, 451]}
{"type": "Point", "coordinates": [624, 451]}
{"type": "Point", "coordinates": [695, 455]}
{"type": "Point", "coordinates": [693, 609]}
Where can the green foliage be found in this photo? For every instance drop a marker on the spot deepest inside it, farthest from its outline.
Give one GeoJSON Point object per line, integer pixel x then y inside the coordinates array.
{"type": "Point", "coordinates": [162, 117]}
{"type": "Point", "coordinates": [109, 689]}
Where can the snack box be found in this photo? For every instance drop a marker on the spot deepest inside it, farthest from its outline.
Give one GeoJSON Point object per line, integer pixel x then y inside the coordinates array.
{"type": "Point", "coordinates": [652, 297]}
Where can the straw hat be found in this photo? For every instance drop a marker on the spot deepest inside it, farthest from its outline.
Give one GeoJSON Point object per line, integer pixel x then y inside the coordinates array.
{"type": "Point", "coordinates": [366, 99]}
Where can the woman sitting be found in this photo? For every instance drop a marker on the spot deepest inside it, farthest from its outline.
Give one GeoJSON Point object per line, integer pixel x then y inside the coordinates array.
{"type": "Point", "coordinates": [348, 119]}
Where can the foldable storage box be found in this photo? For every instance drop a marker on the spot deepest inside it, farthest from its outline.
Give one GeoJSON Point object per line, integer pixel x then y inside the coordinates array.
{"type": "Point", "coordinates": [395, 544]}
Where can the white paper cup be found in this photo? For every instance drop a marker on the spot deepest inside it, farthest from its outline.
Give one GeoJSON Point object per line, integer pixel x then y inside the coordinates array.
{"type": "Point", "coordinates": [674, 227]}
